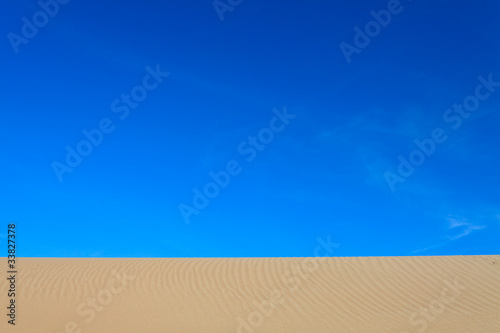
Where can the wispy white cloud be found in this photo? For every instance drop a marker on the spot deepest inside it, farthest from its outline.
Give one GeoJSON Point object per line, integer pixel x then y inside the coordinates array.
{"type": "Point", "coordinates": [455, 222]}
{"type": "Point", "coordinates": [463, 224]}
{"type": "Point", "coordinates": [459, 227]}
{"type": "Point", "coordinates": [430, 247]}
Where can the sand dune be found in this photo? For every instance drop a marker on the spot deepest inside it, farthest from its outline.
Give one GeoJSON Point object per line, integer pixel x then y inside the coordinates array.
{"type": "Point", "coordinates": [376, 294]}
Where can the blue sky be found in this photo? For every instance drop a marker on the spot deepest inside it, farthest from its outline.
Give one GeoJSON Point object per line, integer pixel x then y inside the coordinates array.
{"type": "Point", "coordinates": [326, 170]}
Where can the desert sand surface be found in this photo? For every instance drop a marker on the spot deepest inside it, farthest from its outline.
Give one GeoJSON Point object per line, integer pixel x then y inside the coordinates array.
{"type": "Point", "coordinates": [358, 294]}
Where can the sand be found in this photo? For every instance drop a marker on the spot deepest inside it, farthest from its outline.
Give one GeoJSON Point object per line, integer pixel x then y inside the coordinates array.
{"type": "Point", "coordinates": [372, 294]}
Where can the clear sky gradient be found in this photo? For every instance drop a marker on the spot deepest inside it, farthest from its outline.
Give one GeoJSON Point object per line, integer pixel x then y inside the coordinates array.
{"type": "Point", "coordinates": [317, 119]}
